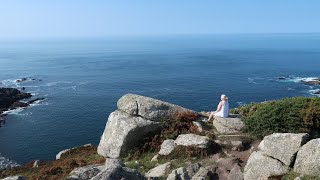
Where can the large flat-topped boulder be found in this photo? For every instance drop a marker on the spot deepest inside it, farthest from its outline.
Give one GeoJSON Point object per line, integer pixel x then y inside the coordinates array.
{"type": "Point", "coordinates": [308, 159]}
{"type": "Point", "coordinates": [122, 132]}
{"type": "Point", "coordinates": [229, 125]}
{"type": "Point", "coordinates": [149, 108]}
{"type": "Point", "coordinates": [192, 140]}
{"type": "Point", "coordinates": [283, 146]}
{"type": "Point", "coordinates": [261, 167]}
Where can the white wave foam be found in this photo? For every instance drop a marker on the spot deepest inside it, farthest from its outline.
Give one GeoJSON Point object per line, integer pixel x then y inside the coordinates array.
{"type": "Point", "coordinates": [7, 163]}
{"type": "Point", "coordinates": [56, 83]}
{"type": "Point", "coordinates": [252, 80]}
{"type": "Point", "coordinates": [299, 79]}
{"type": "Point", "coordinates": [39, 102]}
{"type": "Point", "coordinates": [9, 82]}
{"type": "Point", "coordinates": [313, 91]}
{"type": "Point", "coordinates": [75, 87]}
{"type": "Point", "coordinates": [14, 111]}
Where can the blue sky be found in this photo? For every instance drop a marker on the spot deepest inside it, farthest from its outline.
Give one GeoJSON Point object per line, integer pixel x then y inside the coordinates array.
{"type": "Point", "coordinates": [95, 18]}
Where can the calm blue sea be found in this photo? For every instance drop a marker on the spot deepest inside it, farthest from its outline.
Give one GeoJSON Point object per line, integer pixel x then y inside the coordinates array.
{"type": "Point", "coordinates": [82, 79]}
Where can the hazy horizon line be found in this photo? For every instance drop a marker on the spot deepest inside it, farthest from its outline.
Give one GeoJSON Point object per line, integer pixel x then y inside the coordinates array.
{"type": "Point", "coordinates": [153, 35]}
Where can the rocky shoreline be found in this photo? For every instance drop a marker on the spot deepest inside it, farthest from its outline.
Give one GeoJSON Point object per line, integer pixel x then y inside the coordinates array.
{"type": "Point", "coordinates": [11, 98]}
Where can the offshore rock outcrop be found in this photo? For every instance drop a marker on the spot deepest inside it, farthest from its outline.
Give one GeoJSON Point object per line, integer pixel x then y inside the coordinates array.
{"type": "Point", "coordinates": [10, 99]}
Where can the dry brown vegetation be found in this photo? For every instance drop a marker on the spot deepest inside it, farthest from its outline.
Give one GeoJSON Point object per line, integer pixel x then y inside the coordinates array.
{"type": "Point", "coordinates": [57, 169]}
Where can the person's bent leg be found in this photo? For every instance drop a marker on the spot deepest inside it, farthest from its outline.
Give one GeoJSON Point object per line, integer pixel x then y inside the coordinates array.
{"type": "Point", "coordinates": [211, 115]}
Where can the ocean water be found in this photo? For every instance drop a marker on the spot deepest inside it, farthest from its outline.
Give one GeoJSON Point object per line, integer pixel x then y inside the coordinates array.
{"type": "Point", "coordinates": [82, 79]}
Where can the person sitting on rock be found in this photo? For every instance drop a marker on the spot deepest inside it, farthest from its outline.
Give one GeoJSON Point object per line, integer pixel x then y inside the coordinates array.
{"type": "Point", "coordinates": [222, 109]}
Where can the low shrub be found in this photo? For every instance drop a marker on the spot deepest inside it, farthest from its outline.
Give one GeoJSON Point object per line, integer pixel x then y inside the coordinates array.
{"type": "Point", "coordinates": [294, 115]}
{"type": "Point", "coordinates": [181, 123]}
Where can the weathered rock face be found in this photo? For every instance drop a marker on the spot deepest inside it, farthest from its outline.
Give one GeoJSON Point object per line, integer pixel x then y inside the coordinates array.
{"type": "Point", "coordinates": [308, 159]}
{"type": "Point", "coordinates": [122, 132]}
{"type": "Point", "coordinates": [137, 117]}
{"type": "Point", "coordinates": [167, 147]}
{"type": "Point", "coordinates": [193, 169]}
{"type": "Point", "coordinates": [235, 173]}
{"type": "Point", "coordinates": [114, 169]}
{"type": "Point", "coordinates": [230, 125]}
{"type": "Point", "coordinates": [159, 171]}
{"type": "Point", "coordinates": [199, 125]}
{"type": "Point", "coordinates": [85, 173]}
{"type": "Point", "coordinates": [283, 146]}
{"type": "Point", "coordinates": [261, 167]}
{"type": "Point", "coordinates": [180, 173]}
{"type": "Point", "coordinates": [192, 140]}
{"type": "Point", "coordinates": [15, 178]}
{"type": "Point", "coordinates": [149, 108]}
{"type": "Point", "coordinates": [237, 145]}
{"type": "Point", "coordinates": [203, 173]}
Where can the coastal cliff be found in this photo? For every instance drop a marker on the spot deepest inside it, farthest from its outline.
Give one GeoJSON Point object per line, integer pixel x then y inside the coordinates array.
{"type": "Point", "coordinates": [146, 138]}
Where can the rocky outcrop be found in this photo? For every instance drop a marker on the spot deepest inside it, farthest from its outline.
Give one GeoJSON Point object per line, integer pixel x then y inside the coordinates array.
{"type": "Point", "coordinates": [14, 178]}
{"type": "Point", "coordinates": [311, 81]}
{"type": "Point", "coordinates": [276, 153]}
{"type": "Point", "coordinates": [261, 167]}
{"type": "Point", "coordinates": [149, 108]}
{"type": "Point", "coordinates": [192, 140]}
{"type": "Point", "coordinates": [167, 147]}
{"type": "Point", "coordinates": [136, 117]}
{"type": "Point", "coordinates": [230, 125]}
{"type": "Point", "coordinates": [308, 159]}
{"type": "Point", "coordinates": [114, 169]}
{"type": "Point", "coordinates": [123, 132]}
{"type": "Point", "coordinates": [237, 145]}
{"type": "Point", "coordinates": [35, 100]}
{"type": "Point", "coordinates": [10, 97]}
{"type": "Point", "coordinates": [235, 173]}
{"type": "Point", "coordinates": [193, 169]}
{"type": "Point", "coordinates": [84, 173]}
{"type": "Point", "coordinates": [283, 146]}
{"type": "Point", "coordinates": [180, 173]}
{"type": "Point", "coordinates": [159, 171]}
{"type": "Point", "coordinates": [203, 173]}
